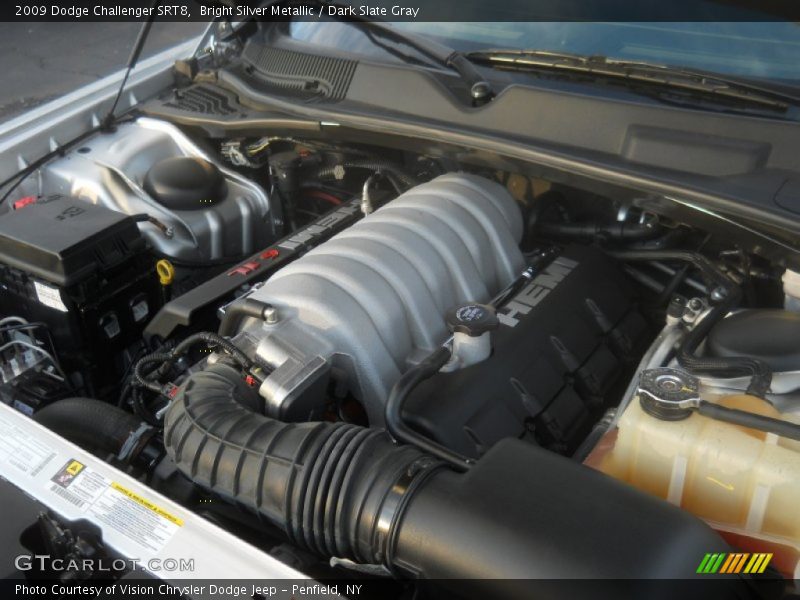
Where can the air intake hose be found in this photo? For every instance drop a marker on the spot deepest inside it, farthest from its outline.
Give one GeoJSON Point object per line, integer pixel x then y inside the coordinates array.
{"type": "Point", "coordinates": [521, 514]}
{"type": "Point", "coordinates": [333, 488]}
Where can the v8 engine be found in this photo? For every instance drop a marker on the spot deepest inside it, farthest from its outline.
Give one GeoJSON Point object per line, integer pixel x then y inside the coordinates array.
{"type": "Point", "coordinates": [365, 306]}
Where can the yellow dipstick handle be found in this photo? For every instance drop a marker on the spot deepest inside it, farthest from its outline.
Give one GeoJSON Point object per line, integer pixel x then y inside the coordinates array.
{"type": "Point", "coordinates": [166, 272]}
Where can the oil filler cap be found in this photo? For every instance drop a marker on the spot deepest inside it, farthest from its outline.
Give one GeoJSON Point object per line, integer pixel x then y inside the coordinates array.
{"type": "Point", "coordinates": [472, 319]}
{"type": "Point", "coordinates": [668, 394]}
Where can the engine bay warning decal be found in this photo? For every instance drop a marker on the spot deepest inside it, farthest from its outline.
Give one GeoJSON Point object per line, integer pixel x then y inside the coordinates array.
{"type": "Point", "coordinates": [115, 506]}
{"type": "Point", "coordinates": [136, 517]}
{"type": "Point", "coordinates": [50, 296]}
{"type": "Point", "coordinates": [21, 451]}
{"type": "Point", "coordinates": [78, 484]}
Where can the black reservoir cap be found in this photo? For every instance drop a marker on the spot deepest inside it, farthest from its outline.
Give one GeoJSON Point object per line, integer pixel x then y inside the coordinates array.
{"type": "Point", "coordinates": [769, 335]}
{"type": "Point", "coordinates": [472, 319]}
{"type": "Point", "coordinates": [64, 240]}
{"type": "Point", "coordinates": [185, 183]}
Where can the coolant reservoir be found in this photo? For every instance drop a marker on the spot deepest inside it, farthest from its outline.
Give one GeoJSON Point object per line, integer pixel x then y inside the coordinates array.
{"type": "Point", "coordinates": [745, 483]}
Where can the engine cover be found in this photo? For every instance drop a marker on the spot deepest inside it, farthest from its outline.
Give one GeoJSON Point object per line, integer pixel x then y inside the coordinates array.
{"type": "Point", "coordinates": [371, 301]}
{"type": "Point", "coordinates": [562, 344]}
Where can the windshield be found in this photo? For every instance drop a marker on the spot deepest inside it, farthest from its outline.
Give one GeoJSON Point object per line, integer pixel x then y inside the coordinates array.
{"type": "Point", "coordinates": [765, 50]}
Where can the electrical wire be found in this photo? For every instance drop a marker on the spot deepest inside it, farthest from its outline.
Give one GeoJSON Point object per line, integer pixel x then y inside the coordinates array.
{"type": "Point", "coordinates": [393, 172]}
{"type": "Point", "coordinates": [157, 365]}
{"type": "Point", "coordinates": [22, 174]}
{"type": "Point", "coordinates": [106, 123]}
{"type": "Point", "coordinates": [324, 196]}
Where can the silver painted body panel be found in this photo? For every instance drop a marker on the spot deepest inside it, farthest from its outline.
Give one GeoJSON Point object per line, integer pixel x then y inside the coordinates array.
{"type": "Point", "coordinates": [109, 169]}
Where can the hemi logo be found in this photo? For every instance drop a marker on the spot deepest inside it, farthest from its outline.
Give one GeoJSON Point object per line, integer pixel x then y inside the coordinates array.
{"type": "Point", "coordinates": [734, 563]}
{"type": "Point", "coordinates": [536, 291]}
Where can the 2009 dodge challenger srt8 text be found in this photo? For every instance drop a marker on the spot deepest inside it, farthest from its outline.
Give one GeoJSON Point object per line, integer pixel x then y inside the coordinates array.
{"type": "Point", "coordinates": [340, 299]}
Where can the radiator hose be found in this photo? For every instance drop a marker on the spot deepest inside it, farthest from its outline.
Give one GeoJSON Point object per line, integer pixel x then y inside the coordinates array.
{"type": "Point", "coordinates": [521, 514]}
{"type": "Point", "coordinates": [96, 425]}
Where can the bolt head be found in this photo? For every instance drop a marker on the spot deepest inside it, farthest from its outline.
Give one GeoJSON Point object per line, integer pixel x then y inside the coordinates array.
{"type": "Point", "coordinates": [718, 294]}
{"type": "Point", "coordinates": [481, 91]}
{"type": "Point", "coordinates": [271, 315]}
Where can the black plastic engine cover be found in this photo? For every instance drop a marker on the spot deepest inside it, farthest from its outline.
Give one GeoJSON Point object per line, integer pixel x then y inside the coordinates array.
{"type": "Point", "coordinates": [566, 340]}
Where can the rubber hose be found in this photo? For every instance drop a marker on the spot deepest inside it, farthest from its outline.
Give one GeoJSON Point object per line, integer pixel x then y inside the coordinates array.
{"type": "Point", "coordinates": [328, 486]}
{"type": "Point", "coordinates": [239, 309]}
{"type": "Point", "coordinates": [759, 372]}
{"type": "Point", "coordinates": [89, 423]}
{"type": "Point", "coordinates": [544, 202]}
{"type": "Point", "coordinates": [629, 232]}
{"type": "Point", "coordinates": [700, 262]}
{"type": "Point", "coordinates": [779, 427]}
{"type": "Point", "coordinates": [394, 410]}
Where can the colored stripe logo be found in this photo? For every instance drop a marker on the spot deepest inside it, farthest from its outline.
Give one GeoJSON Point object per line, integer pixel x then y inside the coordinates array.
{"type": "Point", "coordinates": [734, 562]}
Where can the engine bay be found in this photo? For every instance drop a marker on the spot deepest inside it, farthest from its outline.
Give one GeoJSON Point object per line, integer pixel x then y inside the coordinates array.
{"type": "Point", "coordinates": [371, 357]}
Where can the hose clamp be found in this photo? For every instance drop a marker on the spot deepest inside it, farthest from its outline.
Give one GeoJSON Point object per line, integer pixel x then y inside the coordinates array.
{"type": "Point", "coordinates": [134, 442]}
{"type": "Point", "coordinates": [395, 502]}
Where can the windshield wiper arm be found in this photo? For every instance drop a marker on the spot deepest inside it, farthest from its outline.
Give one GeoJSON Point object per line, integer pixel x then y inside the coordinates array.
{"type": "Point", "coordinates": [638, 71]}
{"type": "Point", "coordinates": [480, 90]}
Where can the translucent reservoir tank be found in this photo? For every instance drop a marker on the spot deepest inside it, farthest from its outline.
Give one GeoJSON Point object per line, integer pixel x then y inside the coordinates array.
{"type": "Point", "coordinates": [744, 483]}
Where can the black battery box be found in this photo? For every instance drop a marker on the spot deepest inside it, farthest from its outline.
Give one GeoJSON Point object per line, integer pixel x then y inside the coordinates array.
{"type": "Point", "coordinates": [86, 272]}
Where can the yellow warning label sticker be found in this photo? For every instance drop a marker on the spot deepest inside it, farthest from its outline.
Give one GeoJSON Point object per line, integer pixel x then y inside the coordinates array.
{"type": "Point", "coordinates": [114, 506]}
{"type": "Point", "coordinates": [74, 467]}
{"type": "Point", "coordinates": [147, 504]}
